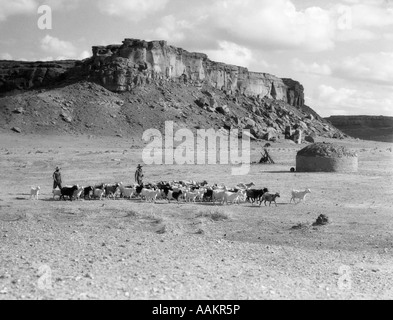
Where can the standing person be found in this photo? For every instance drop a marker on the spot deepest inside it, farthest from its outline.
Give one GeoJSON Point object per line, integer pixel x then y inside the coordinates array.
{"type": "Point", "coordinates": [57, 179]}
{"type": "Point", "coordinates": [139, 175]}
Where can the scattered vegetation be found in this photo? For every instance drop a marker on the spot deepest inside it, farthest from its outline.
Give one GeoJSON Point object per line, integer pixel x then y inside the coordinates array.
{"type": "Point", "coordinates": [214, 215]}
{"type": "Point", "coordinates": [200, 231]}
{"type": "Point", "coordinates": [154, 218]}
{"type": "Point", "coordinates": [162, 230]}
{"type": "Point", "coordinates": [132, 214]}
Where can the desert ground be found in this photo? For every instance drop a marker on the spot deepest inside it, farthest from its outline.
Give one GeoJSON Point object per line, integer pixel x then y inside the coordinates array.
{"type": "Point", "coordinates": [128, 249]}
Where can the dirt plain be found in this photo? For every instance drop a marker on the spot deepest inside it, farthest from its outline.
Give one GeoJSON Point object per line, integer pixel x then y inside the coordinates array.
{"type": "Point", "coordinates": [128, 249]}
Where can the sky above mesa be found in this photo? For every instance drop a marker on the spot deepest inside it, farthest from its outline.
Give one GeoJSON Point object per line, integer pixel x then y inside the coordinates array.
{"type": "Point", "coordinates": [341, 51]}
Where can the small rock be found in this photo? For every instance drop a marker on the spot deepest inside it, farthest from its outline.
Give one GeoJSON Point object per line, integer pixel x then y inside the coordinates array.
{"type": "Point", "coordinates": [19, 110]}
{"type": "Point", "coordinates": [322, 220]}
{"type": "Point", "coordinates": [16, 129]}
{"type": "Point", "coordinates": [66, 117]}
{"type": "Point", "coordinates": [89, 276]}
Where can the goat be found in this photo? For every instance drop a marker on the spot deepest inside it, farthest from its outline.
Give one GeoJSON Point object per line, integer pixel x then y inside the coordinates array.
{"type": "Point", "coordinates": [111, 190]}
{"type": "Point", "coordinates": [233, 197]}
{"type": "Point", "coordinates": [34, 191]}
{"type": "Point", "coordinates": [69, 192]}
{"type": "Point", "coordinates": [150, 195]}
{"type": "Point", "coordinates": [172, 195]}
{"type": "Point", "coordinates": [126, 192]}
{"type": "Point", "coordinates": [255, 195]}
{"type": "Point", "coordinates": [191, 196]}
{"type": "Point", "coordinates": [208, 195]}
{"type": "Point", "coordinates": [88, 192]}
{"type": "Point", "coordinates": [98, 193]}
{"type": "Point", "coordinates": [78, 193]}
{"type": "Point", "coordinates": [218, 195]}
{"type": "Point", "coordinates": [269, 197]}
{"type": "Point", "coordinates": [301, 195]}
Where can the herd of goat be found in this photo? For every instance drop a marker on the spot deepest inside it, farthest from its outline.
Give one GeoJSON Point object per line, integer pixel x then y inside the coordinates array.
{"type": "Point", "coordinates": [187, 191]}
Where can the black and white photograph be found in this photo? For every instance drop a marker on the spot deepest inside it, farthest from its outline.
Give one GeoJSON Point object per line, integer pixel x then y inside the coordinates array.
{"type": "Point", "coordinates": [213, 152]}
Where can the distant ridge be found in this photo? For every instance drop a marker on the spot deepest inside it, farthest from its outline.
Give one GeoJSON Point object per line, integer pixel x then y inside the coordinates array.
{"type": "Point", "coordinates": [374, 128]}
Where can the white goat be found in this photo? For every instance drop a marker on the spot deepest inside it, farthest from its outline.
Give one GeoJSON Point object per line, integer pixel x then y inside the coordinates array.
{"type": "Point", "coordinates": [301, 195]}
{"type": "Point", "coordinates": [150, 195]}
{"type": "Point", "coordinates": [219, 195]}
{"type": "Point", "coordinates": [127, 192]}
{"type": "Point", "coordinates": [34, 192]}
{"type": "Point", "coordinates": [191, 196]}
{"type": "Point", "coordinates": [233, 197]}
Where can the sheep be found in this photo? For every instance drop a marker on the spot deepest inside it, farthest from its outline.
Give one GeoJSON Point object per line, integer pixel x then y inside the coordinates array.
{"type": "Point", "coordinates": [301, 195]}
{"type": "Point", "coordinates": [34, 191]}
{"type": "Point", "coordinates": [269, 197]}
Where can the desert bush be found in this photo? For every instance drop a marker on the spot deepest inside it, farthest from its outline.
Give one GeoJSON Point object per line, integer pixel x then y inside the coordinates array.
{"type": "Point", "coordinates": [162, 230]}
{"type": "Point", "coordinates": [214, 215]}
{"type": "Point", "coordinates": [154, 218]}
{"type": "Point", "coordinates": [132, 214]}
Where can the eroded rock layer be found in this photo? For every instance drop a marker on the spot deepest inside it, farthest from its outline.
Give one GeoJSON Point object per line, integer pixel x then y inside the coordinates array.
{"type": "Point", "coordinates": [121, 68]}
{"type": "Point", "coordinates": [136, 62]}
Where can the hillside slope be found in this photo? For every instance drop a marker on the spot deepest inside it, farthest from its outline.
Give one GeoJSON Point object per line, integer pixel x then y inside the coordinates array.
{"type": "Point", "coordinates": [88, 108]}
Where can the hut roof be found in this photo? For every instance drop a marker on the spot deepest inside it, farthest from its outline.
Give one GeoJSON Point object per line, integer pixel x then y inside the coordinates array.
{"type": "Point", "coordinates": [326, 150]}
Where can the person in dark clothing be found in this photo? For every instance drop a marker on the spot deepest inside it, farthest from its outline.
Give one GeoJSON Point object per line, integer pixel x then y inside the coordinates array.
{"type": "Point", "coordinates": [57, 179]}
{"type": "Point", "coordinates": [139, 175]}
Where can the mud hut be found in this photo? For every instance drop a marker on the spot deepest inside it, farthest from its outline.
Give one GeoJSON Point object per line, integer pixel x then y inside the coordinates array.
{"type": "Point", "coordinates": [326, 157]}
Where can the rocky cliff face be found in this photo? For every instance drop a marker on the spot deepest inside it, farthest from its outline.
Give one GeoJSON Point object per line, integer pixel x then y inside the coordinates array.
{"type": "Point", "coordinates": [139, 85]}
{"type": "Point", "coordinates": [134, 63]}
{"type": "Point", "coordinates": [19, 75]}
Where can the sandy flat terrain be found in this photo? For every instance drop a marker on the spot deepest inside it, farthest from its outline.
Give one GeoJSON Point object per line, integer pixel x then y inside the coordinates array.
{"type": "Point", "coordinates": [128, 249]}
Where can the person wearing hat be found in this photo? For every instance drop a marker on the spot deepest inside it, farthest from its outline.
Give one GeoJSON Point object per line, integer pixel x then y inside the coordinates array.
{"type": "Point", "coordinates": [57, 179]}
{"type": "Point", "coordinates": [139, 175]}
